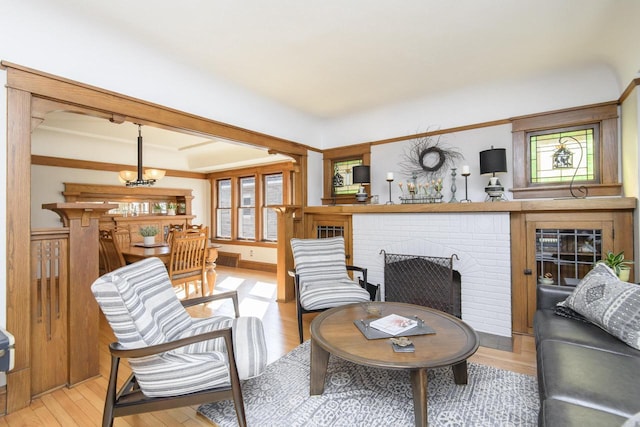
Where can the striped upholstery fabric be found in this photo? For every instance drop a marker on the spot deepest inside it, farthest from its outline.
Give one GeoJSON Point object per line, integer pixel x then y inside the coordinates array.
{"type": "Point", "coordinates": [324, 282]}
{"type": "Point", "coordinates": [143, 309]}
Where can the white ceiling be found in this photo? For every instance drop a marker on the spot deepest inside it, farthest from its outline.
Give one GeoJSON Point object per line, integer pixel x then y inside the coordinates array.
{"type": "Point", "coordinates": [330, 58]}
{"type": "Point", "coordinates": [333, 58]}
{"type": "Point", "coordinates": [161, 148]}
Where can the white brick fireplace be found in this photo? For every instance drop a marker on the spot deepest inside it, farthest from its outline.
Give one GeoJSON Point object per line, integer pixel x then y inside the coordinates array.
{"type": "Point", "coordinates": [480, 240]}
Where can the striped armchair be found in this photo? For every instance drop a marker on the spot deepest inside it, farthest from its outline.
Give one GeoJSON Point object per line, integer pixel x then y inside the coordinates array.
{"type": "Point", "coordinates": [176, 360]}
{"type": "Point", "coordinates": [321, 278]}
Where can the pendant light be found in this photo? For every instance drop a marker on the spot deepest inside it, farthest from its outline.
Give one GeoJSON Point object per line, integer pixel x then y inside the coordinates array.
{"type": "Point", "coordinates": [139, 179]}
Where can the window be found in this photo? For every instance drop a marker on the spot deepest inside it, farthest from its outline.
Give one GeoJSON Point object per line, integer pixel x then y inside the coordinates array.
{"type": "Point", "coordinates": [549, 149]}
{"type": "Point", "coordinates": [244, 201]}
{"type": "Point", "coordinates": [247, 209]}
{"type": "Point", "coordinates": [343, 177]}
{"type": "Point", "coordinates": [564, 156]}
{"type": "Point", "coordinates": [223, 209]}
{"type": "Point", "coordinates": [338, 163]}
{"type": "Point", "coordinates": [273, 192]}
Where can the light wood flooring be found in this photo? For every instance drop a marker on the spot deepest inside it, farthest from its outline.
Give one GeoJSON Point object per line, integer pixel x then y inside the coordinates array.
{"type": "Point", "coordinates": [82, 405]}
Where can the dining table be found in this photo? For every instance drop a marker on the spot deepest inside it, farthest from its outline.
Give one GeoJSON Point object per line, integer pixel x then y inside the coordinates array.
{"type": "Point", "coordinates": [137, 251]}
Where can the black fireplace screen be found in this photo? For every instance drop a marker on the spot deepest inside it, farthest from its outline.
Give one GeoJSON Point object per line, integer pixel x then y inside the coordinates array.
{"type": "Point", "coordinates": [423, 280]}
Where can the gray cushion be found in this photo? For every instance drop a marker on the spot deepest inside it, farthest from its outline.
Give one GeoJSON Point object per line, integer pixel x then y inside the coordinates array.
{"type": "Point", "coordinates": [324, 281]}
{"type": "Point", "coordinates": [610, 303]}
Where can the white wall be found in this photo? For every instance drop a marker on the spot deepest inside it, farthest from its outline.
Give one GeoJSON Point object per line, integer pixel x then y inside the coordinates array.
{"type": "Point", "coordinates": [470, 105]}
{"type": "Point", "coordinates": [388, 158]}
{"type": "Point", "coordinates": [314, 178]}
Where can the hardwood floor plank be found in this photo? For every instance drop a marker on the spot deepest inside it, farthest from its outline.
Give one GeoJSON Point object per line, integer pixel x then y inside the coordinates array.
{"type": "Point", "coordinates": [83, 405]}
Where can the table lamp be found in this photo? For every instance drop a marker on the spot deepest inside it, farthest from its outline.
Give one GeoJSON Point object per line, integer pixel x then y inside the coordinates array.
{"type": "Point", "coordinates": [491, 162]}
{"type": "Point", "coordinates": [361, 175]}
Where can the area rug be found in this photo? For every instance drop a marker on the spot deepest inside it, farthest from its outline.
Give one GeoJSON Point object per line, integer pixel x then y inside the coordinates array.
{"type": "Point", "coordinates": [357, 395]}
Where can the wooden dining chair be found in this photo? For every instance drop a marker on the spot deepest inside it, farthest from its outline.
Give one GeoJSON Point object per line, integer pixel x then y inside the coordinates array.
{"type": "Point", "coordinates": [170, 230]}
{"type": "Point", "coordinates": [110, 254]}
{"type": "Point", "coordinates": [123, 236]}
{"type": "Point", "coordinates": [187, 260]}
{"type": "Point", "coordinates": [187, 231]}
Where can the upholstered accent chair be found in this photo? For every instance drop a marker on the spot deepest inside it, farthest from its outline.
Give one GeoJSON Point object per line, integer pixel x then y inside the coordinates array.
{"type": "Point", "coordinates": [321, 277]}
{"type": "Point", "coordinates": [175, 359]}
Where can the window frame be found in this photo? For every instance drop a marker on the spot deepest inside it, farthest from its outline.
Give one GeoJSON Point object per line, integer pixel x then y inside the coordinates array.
{"type": "Point", "coordinates": [358, 152]}
{"type": "Point", "coordinates": [217, 208]}
{"type": "Point", "coordinates": [605, 115]}
{"type": "Point", "coordinates": [287, 169]}
{"type": "Point", "coordinates": [266, 206]}
{"type": "Point", "coordinates": [241, 207]}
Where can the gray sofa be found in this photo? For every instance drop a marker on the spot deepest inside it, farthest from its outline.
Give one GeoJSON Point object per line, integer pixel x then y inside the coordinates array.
{"type": "Point", "coordinates": [586, 377]}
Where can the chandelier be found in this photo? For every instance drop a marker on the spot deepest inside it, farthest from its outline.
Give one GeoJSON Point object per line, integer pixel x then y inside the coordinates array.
{"type": "Point", "coordinates": [139, 178]}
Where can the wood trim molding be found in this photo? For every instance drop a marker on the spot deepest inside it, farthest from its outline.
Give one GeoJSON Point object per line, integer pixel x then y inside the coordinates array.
{"type": "Point", "coordinates": [91, 98]}
{"type": "Point", "coordinates": [442, 131]}
{"type": "Point", "coordinates": [630, 87]}
{"type": "Point", "coordinates": [100, 166]}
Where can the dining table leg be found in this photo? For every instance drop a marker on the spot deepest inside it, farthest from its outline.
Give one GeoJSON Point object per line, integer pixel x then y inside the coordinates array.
{"type": "Point", "coordinates": [210, 269]}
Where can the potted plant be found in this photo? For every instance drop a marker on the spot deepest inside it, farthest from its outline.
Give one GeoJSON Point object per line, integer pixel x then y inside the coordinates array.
{"type": "Point", "coordinates": [148, 234]}
{"type": "Point", "coordinates": [618, 264]}
{"type": "Point", "coordinates": [171, 208]}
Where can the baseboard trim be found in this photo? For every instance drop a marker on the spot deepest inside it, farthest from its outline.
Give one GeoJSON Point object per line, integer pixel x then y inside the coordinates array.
{"type": "Point", "coordinates": [260, 266]}
{"type": "Point", "coordinates": [232, 259]}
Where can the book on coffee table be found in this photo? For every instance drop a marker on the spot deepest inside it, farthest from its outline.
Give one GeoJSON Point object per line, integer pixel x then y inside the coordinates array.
{"type": "Point", "coordinates": [393, 324]}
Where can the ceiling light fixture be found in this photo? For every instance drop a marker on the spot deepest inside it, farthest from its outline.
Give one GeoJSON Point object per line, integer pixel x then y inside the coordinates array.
{"type": "Point", "coordinates": [139, 179]}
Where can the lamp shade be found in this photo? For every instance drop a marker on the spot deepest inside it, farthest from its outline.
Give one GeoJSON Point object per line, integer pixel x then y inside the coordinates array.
{"type": "Point", "coordinates": [493, 161]}
{"type": "Point", "coordinates": [361, 175]}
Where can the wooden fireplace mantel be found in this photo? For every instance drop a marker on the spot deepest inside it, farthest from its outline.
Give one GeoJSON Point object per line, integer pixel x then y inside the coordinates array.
{"type": "Point", "coordinates": [559, 205]}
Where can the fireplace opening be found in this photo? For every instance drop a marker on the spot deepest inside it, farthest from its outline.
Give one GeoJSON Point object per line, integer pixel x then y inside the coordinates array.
{"type": "Point", "coordinates": [423, 280]}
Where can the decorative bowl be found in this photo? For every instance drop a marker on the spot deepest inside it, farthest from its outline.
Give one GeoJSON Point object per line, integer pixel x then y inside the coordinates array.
{"type": "Point", "coordinates": [545, 281]}
{"type": "Point", "coordinates": [372, 308]}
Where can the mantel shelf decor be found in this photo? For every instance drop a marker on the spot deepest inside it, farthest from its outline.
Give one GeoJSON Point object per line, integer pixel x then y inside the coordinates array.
{"type": "Point", "coordinates": [415, 193]}
{"type": "Point", "coordinates": [420, 199]}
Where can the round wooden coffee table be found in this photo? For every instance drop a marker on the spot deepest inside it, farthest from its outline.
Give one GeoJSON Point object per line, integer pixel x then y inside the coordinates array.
{"type": "Point", "coordinates": [334, 332]}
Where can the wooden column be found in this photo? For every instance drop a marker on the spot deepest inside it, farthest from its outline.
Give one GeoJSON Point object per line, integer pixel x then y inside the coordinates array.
{"type": "Point", "coordinates": [286, 231]}
{"type": "Point", "coordinates": [82, 220]}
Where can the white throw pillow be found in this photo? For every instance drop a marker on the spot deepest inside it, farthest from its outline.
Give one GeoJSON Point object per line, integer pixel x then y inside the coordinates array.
{"type": "Point", "coordinates": [610, 303]}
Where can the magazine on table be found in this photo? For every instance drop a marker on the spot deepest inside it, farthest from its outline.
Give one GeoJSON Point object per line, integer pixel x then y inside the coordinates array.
{"type": "Point", "coordinates": [393, 324]}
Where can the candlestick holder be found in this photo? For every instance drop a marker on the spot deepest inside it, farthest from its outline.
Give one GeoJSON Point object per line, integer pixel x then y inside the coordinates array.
{"type": "Point", "coordinates": [453, 186]}
{"type": "Point", "coordinates": [390, 202]}
{"type": "Point", "coordinates": [466, 197]}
